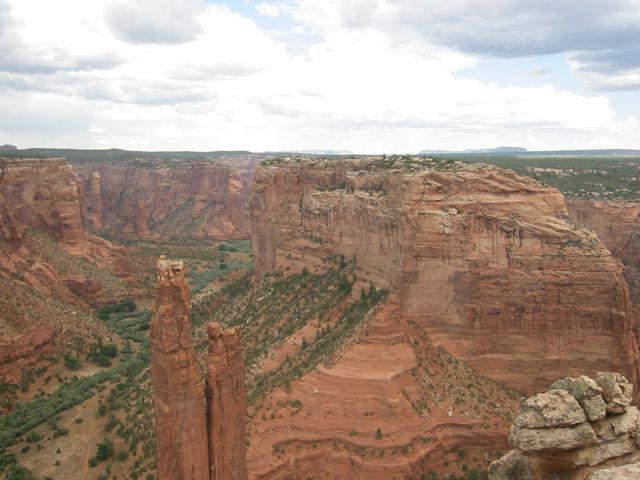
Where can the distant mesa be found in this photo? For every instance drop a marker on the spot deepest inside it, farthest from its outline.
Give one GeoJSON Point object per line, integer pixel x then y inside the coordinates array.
{"type": "Point", "coordinates": [323, 152]}
{"type": "Point", "coordinates": [500, 150]}
{"type": "Point", "coordinates": [8, 148]}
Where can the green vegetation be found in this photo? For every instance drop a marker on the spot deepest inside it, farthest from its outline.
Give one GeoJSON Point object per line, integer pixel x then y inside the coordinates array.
{"type": "Point", "coordinates": [105, 450]}
{"type": "Point", "coordinates": [101, 355]}
{"type": "Point", "coordinates": [581, 175]}
{"type": "Point", "coordinates": [272, 310]}
{"type": "Point", "coordinates": [71, 362]}
{"type": "Point", "coordinates": [29, 415]}
{"type": "Point", "coordinates": [127, 305]}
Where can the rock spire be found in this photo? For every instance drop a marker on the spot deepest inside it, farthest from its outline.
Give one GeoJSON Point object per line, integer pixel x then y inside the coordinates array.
{"type": "Point", "coordinates": [199, 436]}
{"type": "Point", "coordinates": [179, 399]}
{"type": "Point", "coordinates": [226, 404]}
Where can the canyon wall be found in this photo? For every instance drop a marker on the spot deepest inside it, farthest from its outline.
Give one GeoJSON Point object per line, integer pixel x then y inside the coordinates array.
{"type": "Point", "coordinates": [42, 195]}
{"type": "Point", "coordinates": [155, 199]}
{"type": "Point", "coordinates": [616, 222]}
{"type": "Point", "coordinates": [178, 390]}
{"type": "Point", "coordinates": [486, 262]}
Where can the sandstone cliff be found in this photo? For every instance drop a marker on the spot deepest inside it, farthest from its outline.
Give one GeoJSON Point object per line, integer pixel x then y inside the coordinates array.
{"type": "Point", "coordinates": [616, 222]}
{"type": "Point", "coordinates": [165, 199]}
{"type": "Point", "coordinates": [227, 404]}
{"type": "Point", "coordinates": [42, 195]}
{"type": "Point", "coordinates": [577, 429]}
{"type": "Point", "coordinates": [178, 391]}
{"type": "Point", "coordinates": [485, 261]}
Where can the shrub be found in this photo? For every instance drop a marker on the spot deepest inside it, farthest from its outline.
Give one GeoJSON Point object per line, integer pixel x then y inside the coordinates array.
{"type": "Point", "coordinates": [110, 350]}
{"type": "Point", "coordinates": [104, 449]}
{"type": "Point", "coordinates": [71, 362]}
{"type": "Point", "coordinates": [378, 434]}
{"type": "Point", "coordinates": [93, 462]}
{"type": "Point", "coordinates": [33, 437]}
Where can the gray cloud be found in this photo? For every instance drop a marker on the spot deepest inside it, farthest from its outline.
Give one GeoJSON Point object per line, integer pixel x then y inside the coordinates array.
{"type": "Point", "coordinates": [161, 21]}
{"type": "Point", "coordinates": [19, 56]}
{"type": "Point", "coordinates": [601, 35]}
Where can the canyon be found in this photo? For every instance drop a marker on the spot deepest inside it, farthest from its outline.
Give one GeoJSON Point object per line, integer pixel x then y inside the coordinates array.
{"type": "Point", "coordinates": [442, 292]}
{"type": "Point", "coordinates": [466, 251]}
{"type": "Point", "coordinates": [484, 269]}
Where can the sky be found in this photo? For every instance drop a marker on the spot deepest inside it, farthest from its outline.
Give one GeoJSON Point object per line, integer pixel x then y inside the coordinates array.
{"type": "Point", "coordinates": [366, 76]}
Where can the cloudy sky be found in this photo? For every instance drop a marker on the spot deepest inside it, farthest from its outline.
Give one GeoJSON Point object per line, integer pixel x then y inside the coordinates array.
{"type": "Point", "coordinates": [359, 75]}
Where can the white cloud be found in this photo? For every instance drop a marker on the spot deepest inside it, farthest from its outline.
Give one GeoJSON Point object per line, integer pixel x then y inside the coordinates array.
{"type": "Point", "coordinates": [228, 84]}
{"type": "Point", "coordinates": [269, 9]}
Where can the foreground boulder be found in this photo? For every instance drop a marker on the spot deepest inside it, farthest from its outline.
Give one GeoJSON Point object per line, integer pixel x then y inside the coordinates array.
{"type": "Point", "coordinates": [575, 429]}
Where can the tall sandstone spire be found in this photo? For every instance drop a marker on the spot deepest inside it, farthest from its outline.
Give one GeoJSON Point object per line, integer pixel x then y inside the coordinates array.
{"type": "Point", "coordinates": [179, 399]}
{"type": "Point", "coordinates": [227, 404]}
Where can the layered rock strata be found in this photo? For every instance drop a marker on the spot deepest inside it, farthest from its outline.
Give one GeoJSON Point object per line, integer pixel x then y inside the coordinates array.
{"type": "Point", "coordinates": [42, 195]}
{"type": "Point", "coordinates": [487, 262]}
{"type": "Point", "coordinates": [616, 222]}
{"type": "Point", "coordinates": [178, 390]}
{"type": "Point", "coordinates": [571, 430]}
{"type": "Point", "coordinates": [159, 199]}
{"type": "Point", "coordinates": [227, 404]}
{"type": "Point", "coordinates": [200, 430]}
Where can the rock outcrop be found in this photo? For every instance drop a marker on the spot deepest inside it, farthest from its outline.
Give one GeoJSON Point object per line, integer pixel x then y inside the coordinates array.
{"type": "Point", "coordinates": [200, 431]}
{"type": "Point", "coordinates": [485, 261]}
{"type": "Point", "coordinates": [41, 195]}
{"type": "Point", "coordinates": [148, 199]}
{"type": "Point", "coordinates": [227, 404]}
{"type": "Point", "coordinates": [178, 390]}
{"type": "Point", "coordinates": [573, 429]}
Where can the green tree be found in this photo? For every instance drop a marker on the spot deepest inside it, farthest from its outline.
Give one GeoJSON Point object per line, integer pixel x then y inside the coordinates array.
{"type": "Point", "coordinates": [105, 449]}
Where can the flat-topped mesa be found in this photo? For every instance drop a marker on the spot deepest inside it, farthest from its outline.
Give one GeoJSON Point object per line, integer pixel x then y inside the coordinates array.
{"type": "Point", "coordinates": [178, 391]}
{"type": "Point", "coordinates": [576, 430]}
{"type": "Point", "coordinates": [227, 404]}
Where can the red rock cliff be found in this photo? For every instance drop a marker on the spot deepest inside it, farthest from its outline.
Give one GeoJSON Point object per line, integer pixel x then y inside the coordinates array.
{"type": "Point", "coordinates": [616, 222]}
{"type": "Point", "coordinates": [227, 405]}
{"type": "Point", "coordinates": [178, 391]}
{"type": "Point", "coordinates": [483, 260]}
{"type": "Point", "coordinates": [155, 199]}
{"type": "Point", "coordinates": [42, 195]}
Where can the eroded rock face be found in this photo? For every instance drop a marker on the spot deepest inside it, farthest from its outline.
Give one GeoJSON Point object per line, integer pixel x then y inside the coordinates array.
{"type": "Point", "coordinates": [614, 221]}
{"type": "Point", "coordinates": [155, 199]}
{"type": "Point", "coordinates": [482, 259]}
{"type": "Point", "coordinates": [616, 391]}
{"type": "Point", "coordinates": [548, 443]}
{"type": "Point", "coordinates": [227, 405]}
{"type": "Point", "coordinates": [42, 195]}
{"type": "Point", "coordinates": [178, 391]}
{"type": "Point", "coordinates": [588, 394]}
{"type": "Point", "coordinates": [555, 408]}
